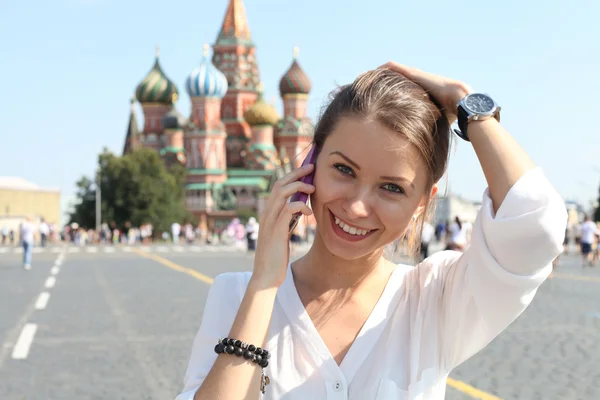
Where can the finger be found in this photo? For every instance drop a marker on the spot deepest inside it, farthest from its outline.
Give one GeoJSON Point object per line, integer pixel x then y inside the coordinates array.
{"type": "Point", "coordinates": [284, 188]}
{"type": "Point", "coordinates": [414, 74]}
{"type": "Point", "coordinates": [279, 198]}
{"type": "Point", "coordinates": [288, 211]}
{"type": "Point", "coordinates": [294, 176]}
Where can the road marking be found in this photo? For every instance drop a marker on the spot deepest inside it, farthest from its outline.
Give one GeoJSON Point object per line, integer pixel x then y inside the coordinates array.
{"type": "Point", "coordinates": [42, 301]}
{"type": "Point", "coordinates": [55, 250]}
{"type": "Point", "coordinates": [196, 249]}
{"type": "Point", "coordinates": [162, 249]}
{"type": "Point", "coordinates": [21, 350]}
{"type": "Point", "coordinates": [176, 267]}
{"type": "Point", "coordinates": [178, 249]}
{"type": "Point", "coordinates": [54, 270]}
{"type": "Point", "coordinates": [127, 249]}
{"type": "Point", "coordinates": [470, 390]}
{"type": "Point", "coordinates": [50, 282]}
{"type": "Point", "coordinates": [3, 250]}
{"type": "Point", "coordinates": [92, 249]}
{"type": "Point", "coordinates": [109, 250]}
{"type": "Point", "coordinates": [73, 250]}
{"type": "Point", "coordinates": [595, 279]}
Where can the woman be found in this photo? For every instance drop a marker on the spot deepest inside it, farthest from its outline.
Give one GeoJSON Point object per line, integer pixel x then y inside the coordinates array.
{"type": "Point", "coordinates": [457, 235]}
{"type": "Point", "coordinates": [252, 233]}
{"type": "Point", "coordinates": [342, 322]}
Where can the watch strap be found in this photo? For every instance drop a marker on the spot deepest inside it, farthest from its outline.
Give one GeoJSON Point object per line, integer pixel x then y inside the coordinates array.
{"type": "Point", "coordinates": [463, 121]}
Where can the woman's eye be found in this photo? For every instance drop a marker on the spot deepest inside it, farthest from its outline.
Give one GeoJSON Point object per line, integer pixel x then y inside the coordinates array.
{"type": "Point", "coordinates": [344, 169]}
{"type": "Point", "coordinates": [393, 188]}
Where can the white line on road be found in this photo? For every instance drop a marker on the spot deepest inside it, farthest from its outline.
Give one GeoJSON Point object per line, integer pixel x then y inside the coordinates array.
{"type": "Point", "coordinates": [21, 350]}
{"type": "Point", "coordinates": [162, 249]}
{"type": "Point", "coordinates": [92, 249]}
{"type": "Point", "coordinates": [4, 250]}
{"type": "Point", "coordinates": [50, 282]}
{"type": "Point", "coordinates": [74, 250]}
{"type": "Point", "coordinates": [127, 249]}
{"type": "Point", "coordinates": [42, 301]}
{"type": "Point", "coordinates": [56, 250]}
{"type": "Point", "coordinates": [54, 270]}
{"type": "Point", "coordinates": [109, 250]}
{"type": "Point", "coordinates": [178, 249]}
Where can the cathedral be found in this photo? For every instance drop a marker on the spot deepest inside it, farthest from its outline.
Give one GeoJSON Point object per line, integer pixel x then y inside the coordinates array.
{"type": "Point", "coordinates": [233, 141]}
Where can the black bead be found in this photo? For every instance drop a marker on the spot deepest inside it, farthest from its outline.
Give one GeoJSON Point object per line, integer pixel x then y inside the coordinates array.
{"type": "Point", "coordinates": [224, 341]}
{"type": "Point", "coordinates": [238, 343]}
{"type": "Point", "coordinates": [251, 347]}
{"type": "Point", "coordinates": [244, 345]}
{"type": "Point", "coordinates": [264, 363]}
{"type": "Point", "coordinates": [230, 349]}
{"type": "Point", "coordinates": [258, 351]}
{"type": "Point", "coordinates": [230, 342]}
{"type": "Point", "coordinates": [239, 352]}
{"type": "Point", "coordinates": [253, 358]}
{"type": "Point", "coordinates": [268, 356]}
{"type": "Point", "coordinates": [258, 359]}
{"type": "Point", "coordinates": [247, 354]}
{"type": "Point", "coordinates": [219, 349]}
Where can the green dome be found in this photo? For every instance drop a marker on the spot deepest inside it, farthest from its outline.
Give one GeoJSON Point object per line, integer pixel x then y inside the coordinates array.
{"type": "Point", "coordinates": [156, 87]}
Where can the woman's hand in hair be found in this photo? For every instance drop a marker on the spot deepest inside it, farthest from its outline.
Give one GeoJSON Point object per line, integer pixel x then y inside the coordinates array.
{"type": "Point", "coordinates": [447, 92]}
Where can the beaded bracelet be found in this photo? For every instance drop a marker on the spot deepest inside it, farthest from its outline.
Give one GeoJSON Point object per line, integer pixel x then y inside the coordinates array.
{"type": "Point", "coordinates": [249, 352]}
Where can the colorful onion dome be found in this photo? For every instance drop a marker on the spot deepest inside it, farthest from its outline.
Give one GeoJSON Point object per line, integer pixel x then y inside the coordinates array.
{"type": "Point", "coordinates": [156, 87]}
{"type": "Point", "coordinates": [173, 120]}
{"type": "Point", "coordinates": [261, 113]}
{"type": "Point", "coordinates": [295, 80]}
{"type": "Point", "coordinates": [206, 80]}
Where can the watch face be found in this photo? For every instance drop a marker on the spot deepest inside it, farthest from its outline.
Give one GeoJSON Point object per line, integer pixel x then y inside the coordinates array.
{"type": "Point", "coordinates": [479, 103]}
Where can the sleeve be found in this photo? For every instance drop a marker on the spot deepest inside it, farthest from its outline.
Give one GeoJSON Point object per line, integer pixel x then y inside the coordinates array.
{"type": "Point", "coordinates": [222, 304]}
{"type": "Point", "coordinates": [485, 289]}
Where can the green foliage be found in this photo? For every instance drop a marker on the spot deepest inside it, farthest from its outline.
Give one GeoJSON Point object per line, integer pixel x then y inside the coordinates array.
{"type": "Point", "coordinates": [137, 188]}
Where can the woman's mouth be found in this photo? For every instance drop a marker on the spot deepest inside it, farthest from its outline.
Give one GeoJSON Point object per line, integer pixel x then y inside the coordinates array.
{"type": "Point", "coordinates": [348, 232]}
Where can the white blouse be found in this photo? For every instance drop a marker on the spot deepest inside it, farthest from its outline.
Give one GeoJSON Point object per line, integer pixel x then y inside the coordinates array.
{"type": "Point", "coordinates": [429, 319]}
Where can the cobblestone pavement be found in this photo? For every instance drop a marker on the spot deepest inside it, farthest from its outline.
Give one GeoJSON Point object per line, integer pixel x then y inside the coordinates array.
{"type": "Point", "coordinates": [120, 326]}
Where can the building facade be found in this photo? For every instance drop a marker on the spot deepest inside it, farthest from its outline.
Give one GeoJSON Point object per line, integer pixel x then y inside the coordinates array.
{"type": "Point", "coordinates": [231, 141]}
{"type": "Point", "coordinates": [20, 199]}
{"type": "Point", "coordinates": [451, 206]}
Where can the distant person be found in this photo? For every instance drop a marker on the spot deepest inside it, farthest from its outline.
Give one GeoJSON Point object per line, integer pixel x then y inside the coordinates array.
{"type": "Point", "coordinates": [44, 232]}
{"type": "Point", "coordinates": [427, 236]}
{"type": "Point", "coordinates": [11, 237]}
{"type": "Point", "coordinates": [588, 230]}
{"type": "Point", "coordinates": [175, 232]}
{"type": "Point", "coordinates": [4, 234]}
{"type": "Point", "coordinates": [252, 233]}
{"type": "Point", "coordinates": [27, 240]}
{"type": "Point", "coordinates": [457, 236]}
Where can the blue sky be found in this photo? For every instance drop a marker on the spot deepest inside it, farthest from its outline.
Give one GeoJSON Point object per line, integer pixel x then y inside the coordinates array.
{"type": "Point", "coordinates": [69, 68]}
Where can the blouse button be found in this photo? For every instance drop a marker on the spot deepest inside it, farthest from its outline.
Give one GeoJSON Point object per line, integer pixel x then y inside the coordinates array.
{"type": "Point", "coordinates": [337, 386]}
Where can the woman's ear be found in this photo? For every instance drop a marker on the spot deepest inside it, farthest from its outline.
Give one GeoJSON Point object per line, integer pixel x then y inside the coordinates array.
{"type": "Point", "coordinates": [421, 208]}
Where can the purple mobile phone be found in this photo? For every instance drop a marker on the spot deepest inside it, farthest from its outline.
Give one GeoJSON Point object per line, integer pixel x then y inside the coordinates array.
{"type": "Point", "coordinates": [300, 196]}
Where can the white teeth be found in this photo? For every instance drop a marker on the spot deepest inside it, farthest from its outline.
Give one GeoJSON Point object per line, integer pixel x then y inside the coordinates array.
{"type": "Point", "coordinates": [350, 229]}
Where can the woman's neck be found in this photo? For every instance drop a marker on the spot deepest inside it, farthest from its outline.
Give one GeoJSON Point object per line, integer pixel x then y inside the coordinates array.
{"type": "Point", "coordinates": [324, 271]}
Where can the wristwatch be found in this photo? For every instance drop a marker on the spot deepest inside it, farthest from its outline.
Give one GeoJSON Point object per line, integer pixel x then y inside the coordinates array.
{"type": "Point", "coordinates": [475, 107]}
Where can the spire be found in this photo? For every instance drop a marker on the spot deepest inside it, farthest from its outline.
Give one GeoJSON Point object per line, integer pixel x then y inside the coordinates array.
{"type": "Point", "coordinates": [132, 130]}
{"type": "Point", "coordinates": [235, 24]}
{"type": "Point", "coordinates": [206, 50]}
{"type": "Point", "coordinates": [296, 52]}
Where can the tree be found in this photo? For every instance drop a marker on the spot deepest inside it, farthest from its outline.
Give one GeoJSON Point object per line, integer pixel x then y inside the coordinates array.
{"type": "Point", "coordinates": [138, 188]}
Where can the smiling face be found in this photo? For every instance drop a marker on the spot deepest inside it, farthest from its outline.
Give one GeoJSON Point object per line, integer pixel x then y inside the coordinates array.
{"type": "Point", "coordinates": [370, 182]}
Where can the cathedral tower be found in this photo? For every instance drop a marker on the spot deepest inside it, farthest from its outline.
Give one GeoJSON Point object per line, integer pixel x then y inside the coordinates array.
{"type": "Point", "coordinates": [156, 93]}
{"type": "Point", "coordinates": [295, 130]}
{"type": "Point", "coordinates": [205, 140]}
{"type": "Point", "coordinates": [235, 56]}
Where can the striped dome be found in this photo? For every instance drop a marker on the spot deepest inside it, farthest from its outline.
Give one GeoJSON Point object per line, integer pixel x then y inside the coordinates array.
{"type": "Point", "coordinates": [261, 113]}
{"type": "Point", "coordinates": [156, 87]}
{"type": "Point", "coordinates": [295, 80]}
{"type": "Point", "coordinates": [206, 80]}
